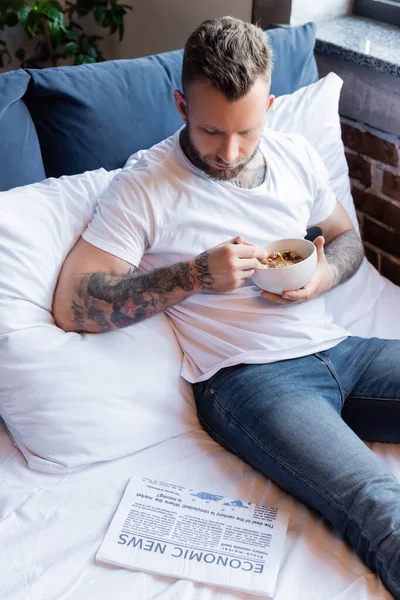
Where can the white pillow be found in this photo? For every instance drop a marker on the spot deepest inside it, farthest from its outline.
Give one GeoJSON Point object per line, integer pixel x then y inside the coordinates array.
{"type": "Point", "coordinates": [313, 111]}
{"type": "Point", "coordinates": [70, 400]}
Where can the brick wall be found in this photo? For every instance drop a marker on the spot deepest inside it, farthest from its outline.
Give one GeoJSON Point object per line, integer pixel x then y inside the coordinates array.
{"type": "Point", "coordinates": [374, 166]}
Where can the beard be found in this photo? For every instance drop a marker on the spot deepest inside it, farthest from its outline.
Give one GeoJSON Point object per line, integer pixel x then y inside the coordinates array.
{"type": "Point", "coordinates": [204, 163]}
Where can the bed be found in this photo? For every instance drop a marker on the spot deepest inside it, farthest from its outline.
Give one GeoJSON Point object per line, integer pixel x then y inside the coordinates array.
{"type": "Point", "coordinates": [51, 525]}
{"type": "Point", "coordinates": [82, 414]}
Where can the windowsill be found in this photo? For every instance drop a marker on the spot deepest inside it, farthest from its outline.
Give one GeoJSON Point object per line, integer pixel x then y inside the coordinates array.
{"type": "Point", "coordinates": [362, 41]}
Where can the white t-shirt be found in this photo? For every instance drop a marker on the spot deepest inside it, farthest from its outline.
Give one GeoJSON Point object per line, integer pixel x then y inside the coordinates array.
{"type": "Point", "coordinates": [163, 210]}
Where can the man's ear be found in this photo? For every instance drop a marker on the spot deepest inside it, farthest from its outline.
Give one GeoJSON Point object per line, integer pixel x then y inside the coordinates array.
{"type": "Point", "coordinates": [270, 102]}
{"type": "Point", "coordinates": [181, 104]}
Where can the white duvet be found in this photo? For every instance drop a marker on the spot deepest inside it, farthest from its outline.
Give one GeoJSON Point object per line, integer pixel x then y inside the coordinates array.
{"type": "Point", "coordinates": [51, 526]}
{"type": "Point", "coordinates": [71, 401]}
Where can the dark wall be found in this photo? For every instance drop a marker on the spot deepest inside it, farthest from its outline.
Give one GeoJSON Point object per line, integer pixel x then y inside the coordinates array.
{"type": "Point", "coordinates": [268, 12]}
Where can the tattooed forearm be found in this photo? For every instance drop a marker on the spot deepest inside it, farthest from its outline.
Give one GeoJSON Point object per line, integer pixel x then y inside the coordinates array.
{"type": "Point", "coordinates": [78, 312]}
{"type": "Point", "coordinates": [104, 301]}
{"type": "Point", "coordinates": [135, 298]}
{"type": "Point", "coordinates": [99, 317]}
{"type": "Point", "coordinates": [345, 253]}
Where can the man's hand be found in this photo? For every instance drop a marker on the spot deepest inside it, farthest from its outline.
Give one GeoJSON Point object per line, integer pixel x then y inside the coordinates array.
{"type": "Point", "coordinates": [226, 266]}
{"type": "Point", "coordinates": [323, 280]}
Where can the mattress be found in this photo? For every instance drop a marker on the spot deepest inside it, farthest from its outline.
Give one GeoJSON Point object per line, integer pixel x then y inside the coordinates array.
{"type": "Point", "coordinates": [51, 526]}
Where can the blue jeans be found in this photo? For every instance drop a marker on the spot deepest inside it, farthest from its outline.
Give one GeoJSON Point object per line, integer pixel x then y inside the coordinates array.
{"type": "Point", "coordinates": [299, 422]}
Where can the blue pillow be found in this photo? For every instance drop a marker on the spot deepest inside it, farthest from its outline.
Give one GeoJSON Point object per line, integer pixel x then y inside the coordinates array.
{"type": "Point", "coordinates": [294, 63]}
{"type": "Point", "coordinates": [20, 156]}
{"type": "Point", "coordinates": [97, 115]}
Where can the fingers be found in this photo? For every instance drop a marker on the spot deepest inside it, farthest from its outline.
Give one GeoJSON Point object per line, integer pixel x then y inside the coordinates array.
{"type": "Point", "coordinates": [247, 263]}
{"type": "Point", "coordinates": [246, 275]}
{"type": "Point", "coordinates": [319, 243]}
{"type": "Point", "coordinates": [249, 251]}
{"type": "Point", "coordinates": [275, 298]}
{"type": "Point", "coordinates": [288, 297]}
{"type": "Point", "coordinates": [297, 295]}
{"type": "Point", "coordinates": [240, 240]}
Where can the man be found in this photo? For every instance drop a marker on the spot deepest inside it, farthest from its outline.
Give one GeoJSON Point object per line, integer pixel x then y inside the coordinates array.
{"type": "Point", "coordinates": [272, 374]}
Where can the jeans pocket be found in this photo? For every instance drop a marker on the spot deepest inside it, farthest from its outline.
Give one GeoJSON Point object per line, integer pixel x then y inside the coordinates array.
{"type": "Point", "coordinates": [216, 381]}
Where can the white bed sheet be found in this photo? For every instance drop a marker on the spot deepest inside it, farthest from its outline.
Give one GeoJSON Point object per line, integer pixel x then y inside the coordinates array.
{"type": "Point", "coordinates": [52, 525]}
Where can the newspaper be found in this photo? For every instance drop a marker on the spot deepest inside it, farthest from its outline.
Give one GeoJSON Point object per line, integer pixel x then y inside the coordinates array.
{"type": "Point", "coordinates": [171, 530]}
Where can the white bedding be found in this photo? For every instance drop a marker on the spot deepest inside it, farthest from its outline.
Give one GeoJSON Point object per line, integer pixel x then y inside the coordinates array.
{"type": "Point", "coordinates": [52, 522]}
{"type": "Point", "coordinates": [51, 525]}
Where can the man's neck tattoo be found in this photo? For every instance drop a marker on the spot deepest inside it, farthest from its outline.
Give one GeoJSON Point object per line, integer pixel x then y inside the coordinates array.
{"type": "Point", "coordinates": [253, 175]}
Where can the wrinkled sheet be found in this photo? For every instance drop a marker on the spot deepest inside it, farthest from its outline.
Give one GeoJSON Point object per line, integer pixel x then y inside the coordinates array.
{"type": "Point", "coordinates": [51, 526]}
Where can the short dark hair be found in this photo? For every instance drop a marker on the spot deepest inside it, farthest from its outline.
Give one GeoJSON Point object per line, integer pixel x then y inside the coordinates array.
{"type": "Point", "coordinates": [229, 53]}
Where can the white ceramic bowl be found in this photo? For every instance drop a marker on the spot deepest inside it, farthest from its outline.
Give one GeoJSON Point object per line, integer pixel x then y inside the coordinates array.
{"type": "Point", "coordinates": [294, 277]}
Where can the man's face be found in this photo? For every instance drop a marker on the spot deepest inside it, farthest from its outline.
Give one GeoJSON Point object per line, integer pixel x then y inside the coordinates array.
{"type": "Point", "coordinates": [222, 136]}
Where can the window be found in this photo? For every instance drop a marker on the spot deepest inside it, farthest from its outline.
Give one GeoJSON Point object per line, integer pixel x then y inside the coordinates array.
{"type": "Point", "coordinates": [380, 10]}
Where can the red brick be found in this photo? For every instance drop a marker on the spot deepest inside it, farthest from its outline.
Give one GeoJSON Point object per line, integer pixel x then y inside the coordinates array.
{"type": "Point", "coordinates": [381, 237]}
{"type": "Point", "coordinates": [391, 268]}
{"type": "Point", "coordinates": [377, 207]}
{"type": "Point", "coordinates": [373, 256]}
{"type": "Point", "coordinates": [366, 143]}
{"type": "Point", "coordinates": [391, 185]}
{"type": "Point", "coordinates": [359, 168]}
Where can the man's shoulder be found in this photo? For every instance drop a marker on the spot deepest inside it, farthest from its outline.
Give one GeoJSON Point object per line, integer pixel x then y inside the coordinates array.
{"type": "Point", "coordinates": [147, 163]}
{"type": "Point", "coordinates": [291, 146]}
{"type": "Point", "coordinates": [143, 177]}
{"type": "Point", "coordinates": [285, 139]}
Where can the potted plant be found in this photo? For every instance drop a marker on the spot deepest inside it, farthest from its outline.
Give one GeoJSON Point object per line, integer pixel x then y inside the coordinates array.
{"type": "Point", "coordinates": [56, 29]}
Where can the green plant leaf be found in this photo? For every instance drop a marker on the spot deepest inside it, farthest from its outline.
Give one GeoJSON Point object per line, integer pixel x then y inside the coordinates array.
{"type": "Point", "coordinates": [51, 12]}
{"type": "Point", "coordinates": [71, 48]}
{"type": "Point", "coordinates": [34, 21]}
{"type": "Point", "coordinates": [23, 14]}
{"type": "Point", "coordinates": [100, 14]}
{"type": "Point", "coordinates": [71, 36]}
{"type": "Point", "coordinates": [92, 52]}
{"type": "Point", "coordinates": [56, 27]}
{"type": "Point", "coordinates": [47, 7]}
{"type": "Point", "coordinates": [84, 7]}
{"type": "Point", "coordinates": [85, 45]}
{"type": "Point", "coordinates": [54, 15]}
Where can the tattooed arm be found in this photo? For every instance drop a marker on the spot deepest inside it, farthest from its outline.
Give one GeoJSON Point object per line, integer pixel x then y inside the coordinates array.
{"type": "Point", "coordinates": [345, 254]}
{"type": "Point", "coordinates": [97, 291]}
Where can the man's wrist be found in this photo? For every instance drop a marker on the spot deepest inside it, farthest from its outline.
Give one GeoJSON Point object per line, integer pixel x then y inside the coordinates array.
{"type": "Point", "coordinates": [194, 276]}
{"type": "Point", "coordinates": [333, 276]}
{"type": "Point", "coordinates": [204, 281]}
